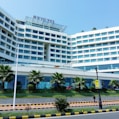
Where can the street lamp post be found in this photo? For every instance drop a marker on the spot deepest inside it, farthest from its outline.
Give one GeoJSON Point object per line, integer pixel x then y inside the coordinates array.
{"type": "Point", "coordinates": [15, 82]}
{"type": "Point", "coordinates": [100, 101]}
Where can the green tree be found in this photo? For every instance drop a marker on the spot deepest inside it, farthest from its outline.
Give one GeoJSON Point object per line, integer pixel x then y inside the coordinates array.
{"type": "Point", "coordinates": [114, 84]}
{"type": "Point", "coordinates": [35, 77]}
{"type": "Point", "coordinates": [58, 80]}
{"type": "Point", "coordinates": [61, 104]}
{"type": "Point", "coordinates": [79, 83]}
{"type": "Point", "coordinates": [6, 74]}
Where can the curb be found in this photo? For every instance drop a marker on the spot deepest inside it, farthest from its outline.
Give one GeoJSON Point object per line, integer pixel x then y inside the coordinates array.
{"type": "Point", "coordinates": [59, 114]}
{"type": "Point", "coordinates": [48, 103]}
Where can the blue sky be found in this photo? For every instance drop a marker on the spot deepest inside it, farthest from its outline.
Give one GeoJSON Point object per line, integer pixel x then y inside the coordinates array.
{"type": "Point", "coordinates": [77, 15]}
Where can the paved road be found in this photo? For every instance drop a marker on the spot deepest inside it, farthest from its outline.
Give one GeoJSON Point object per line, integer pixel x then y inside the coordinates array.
{"type": "Point", "coordinates": [107, 115]}
{"type": "Point", "coordinates": [40, 100]}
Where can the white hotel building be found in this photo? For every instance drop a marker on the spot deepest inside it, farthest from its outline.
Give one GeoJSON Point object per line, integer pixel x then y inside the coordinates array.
{"type": "Point", "coordinates": [41, 43]}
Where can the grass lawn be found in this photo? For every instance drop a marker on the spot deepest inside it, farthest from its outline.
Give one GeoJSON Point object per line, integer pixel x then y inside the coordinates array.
{"type": "Point", "coordinates": [54, 94]}
{"type": "Point", "coordinates": [53, 111]}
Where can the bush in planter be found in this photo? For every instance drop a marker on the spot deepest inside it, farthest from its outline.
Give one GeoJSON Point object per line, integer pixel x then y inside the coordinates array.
{"type": "Point", "coordinates": [61, 104]}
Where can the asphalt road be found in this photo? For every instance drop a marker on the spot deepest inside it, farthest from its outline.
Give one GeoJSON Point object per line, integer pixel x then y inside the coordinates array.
{"type": "Point", "coordinates": [106, 115]}
{"type": "Point", "coordinates": [40, 100]}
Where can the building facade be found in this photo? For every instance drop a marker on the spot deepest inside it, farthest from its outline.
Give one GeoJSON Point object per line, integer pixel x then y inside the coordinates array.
{"type": "Point", "coordinates": [41, 41]}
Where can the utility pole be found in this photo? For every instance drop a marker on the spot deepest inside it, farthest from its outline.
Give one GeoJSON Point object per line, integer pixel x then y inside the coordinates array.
{"type": "Point", "coordinates": [100, 101]}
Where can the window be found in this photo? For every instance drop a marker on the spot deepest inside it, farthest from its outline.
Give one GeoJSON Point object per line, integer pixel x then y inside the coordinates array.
{"type": "Point", "coordinates": [78, 37]}
{"type": "Point", "coordinates": [20, 29]}
{"type": "Point", "coordinates": [34, 42]}
{"type": "Point", "coordinates": [64, 37]}
{"type": "Point", "coordinates": [35, 31]}
{"type": "Point", "coordinates": [92, 50]}
{"type": "Point", "coordinates": [111, 37]}
{"type": "Point", "coordinates": [117, 36]}
{"type": "Point", "coordinates": [106, 59]}
{"type": "Point", "coordinates": [47, 34]}
{"type": "Point", "coordinates": [53, 40]}
{"type": "Point", "coordinates": [112, 43]}
{"type": "Point", "coordinates": [117, 31]}
{"type": "Point", "coordinates": [112, 48]}
{"type": "Point", "coordinates": [105, 44]}
{"type": "Point", "coordinates": [1, 15]}
{"type": "Point", "coordinates": [111, 32]}
{"type": "Point", "coordinates": [53, 35]}
{"type": "Point", "coordinates": [113, 53]}
{"type": "Point", "coordinates": [103, 67]}
{"type": "Point", "coordinates": [28, 35]}
{"type": "Point", "coordinates": [105, 54]}
{"type": "Point", "coordinates": [85, 41]}
{"type": "Point", "coordinates": [27, 46]}
{"type": "Point", "coordinates": [40, 37]}
{"type": "Point", "coordinates": [34, 47]}
{"type": "Point", "coordinates": [104, 33]}
{"type": "Point", "coordinates": [26, 51]}
{"type": "Point", "coordinates": [99, 54]}
{"type": "Point", "coordinates": [26, 57]}
{"type": "Point", "coordinates": [33, 52]}
{"type": "Point", "coordinates": [99, 49]}
{"type": "Point", "coordinates": [21, 35]}
{"type": "Point", "coordinates": [28, 30]}
{"type": "Point", "coordinates": [92, 55]}
{"type": "Point", "coordinates": [40, 32]}
{"type": "Point", "coordinates": [98, 39]}
{"type": "Point", "coordinates": [33, 58]}
{"type": "Point", "coordinates": [93, 60]}
{"type": "Point", "coordinates": [91, 40]}
{"type": "Point", "coordinates": [105, 49]}
{"type": "Point", "coordinates": [34, 36]}
{"type": "Point", "coordinates": [104, 38]}
{"type": "Point", "coordinates": [114, 58]}
{"type": "Point", "coordinates": [91, 35]}
{"type": "Point", "coordinates": [100, 59]}
{"type": "Point", "coordinates": [98, 45]}
{"type": "Point", "coordinates": [58, 36]}
{"type": "Point", "coordinates": [1, 21]}
{"type": "Point", "coordinates": [85, 36]}
{"type": "Point", "coordinates": [97, 34]}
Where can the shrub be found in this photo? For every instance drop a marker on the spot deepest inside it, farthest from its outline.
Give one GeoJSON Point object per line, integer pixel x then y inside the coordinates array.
{"type": "Point", "coordinates": [61, 104]}
{"type": "Point", "coordinates": [31, 87]}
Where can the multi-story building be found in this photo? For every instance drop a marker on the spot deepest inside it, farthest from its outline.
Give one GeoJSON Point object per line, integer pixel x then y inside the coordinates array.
{"type": "Point", "coordinates": [97, 48]}
{"type": "Point", "coordinates": [42, 42]}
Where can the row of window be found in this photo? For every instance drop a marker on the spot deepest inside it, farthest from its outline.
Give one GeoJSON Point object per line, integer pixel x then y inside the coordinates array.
{"type": "Point", "coordinates": [97, 34]}
{"type": "Point", "coordinates": [96, 50]}
{"type": "Point", "coordinates": [42, 38]}
{"type": "Point", "coordinates": [61, 56]}
{"type": "Point", "coordinates": [100, 67]}
{"type": "Point", "coordinates": [40, 58]}
{"type": "Point", "coordinates": [98, 60]}
{"type": "Point", "coordinates": [6, 19]}
{"type": "Point", "coordinates": [93, 40]}
{"type": "Point", "coordinates": [96, 55]}
{"type": "Point", "coordinates": [96, 45]}
{"type": "Point", "coordinates": [60, 51]}
{"type": "Point", "coordinates": [41, 33]}
{"type": "Point", "coordinates": [7, 52]}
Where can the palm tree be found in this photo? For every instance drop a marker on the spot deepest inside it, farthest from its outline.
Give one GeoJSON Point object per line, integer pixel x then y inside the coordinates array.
{"type": "Point", "coordinates": [35, 77]}
{"type": "Point", "coordinates": [80, 83]}
{"type": "Point", "coordinates": [58, 80]}
{"type": "Point", "coordinates": [114, 83]}
{"type": "Point", "coordinates": [6, 74]}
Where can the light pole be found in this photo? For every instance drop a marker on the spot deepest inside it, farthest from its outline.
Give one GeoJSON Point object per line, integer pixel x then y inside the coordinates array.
{"type": "Point", "coordinates": [100, 101]}
{"type": "Point", "coordinates": [15, 82]}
